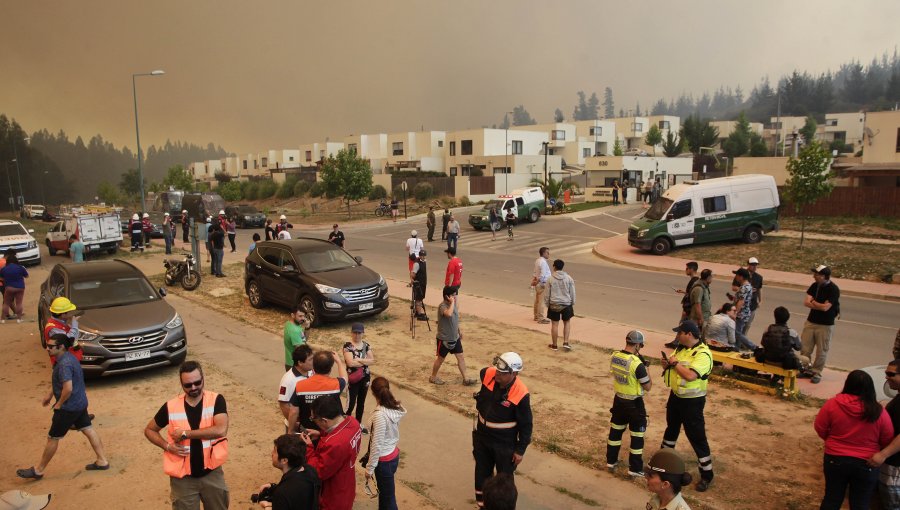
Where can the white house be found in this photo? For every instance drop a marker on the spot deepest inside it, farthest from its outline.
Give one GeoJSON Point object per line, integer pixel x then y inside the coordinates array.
{"type": "Point", "coordinates": [416, 150]}
{"type": "Point", "coordinates": [311, 154]}
{"type": "Point", "coordinates": [592, 138]}
{"type": "Point", "coordinates": [631, 131]}
{"type": "Point", "coordinates": [284, 158]}
{"type": "Point", "coordinates": [602, 171]}
{"type": "Point", "coordinates": [845, 127]}
{"type": "Point", "coordinates": [372, 147]}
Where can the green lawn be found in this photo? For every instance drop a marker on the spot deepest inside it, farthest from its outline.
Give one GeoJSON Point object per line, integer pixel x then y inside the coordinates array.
{"type": "Point", "coordinates": [864, 226]}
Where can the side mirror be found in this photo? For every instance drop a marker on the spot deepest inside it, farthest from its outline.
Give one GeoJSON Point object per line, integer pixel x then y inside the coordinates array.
{"type": "Point", "coordinates": [162, 292]}
{"type": "Point", "coordinates": [670, 217]}
{"type": "Point", "coordinates": [289, 269]}
{"type": "Point", "coordinates": [358, 259]}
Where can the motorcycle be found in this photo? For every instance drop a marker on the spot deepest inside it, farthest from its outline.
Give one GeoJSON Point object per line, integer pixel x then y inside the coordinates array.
{"type": "Point", "coordinates": [184, 271]}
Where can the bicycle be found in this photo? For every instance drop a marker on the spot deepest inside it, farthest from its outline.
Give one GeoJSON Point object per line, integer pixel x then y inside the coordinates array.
{"type": "Point", "coordinates": [382, 209]}
{"type": "Point", "coordinates": [413, 316]}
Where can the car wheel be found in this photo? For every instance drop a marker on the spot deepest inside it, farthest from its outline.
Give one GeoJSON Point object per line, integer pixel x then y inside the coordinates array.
{"type": "Point", "coordinates": [50, 249]}
{"type": "Point", "coordinates": [661, 246]}
{"type": "Point", "coordinates": [254, 294]}
{"type": "Point", "coordinates": [753, 235]}
{"type": "Point", "coordinates": [308, 305]}
{"type": "Point", "coordinates": [534, 215]}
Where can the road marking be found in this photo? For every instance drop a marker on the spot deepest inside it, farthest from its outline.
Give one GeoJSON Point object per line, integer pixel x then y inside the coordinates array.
{"type": "Point", "coordinates": [616, 217]}
{"type": "Point", "coordinates": [636, 216]}
{"type": "Point", "coordinates": [800, 314]}
{"type": "Point", "coordinates": [598, 228]}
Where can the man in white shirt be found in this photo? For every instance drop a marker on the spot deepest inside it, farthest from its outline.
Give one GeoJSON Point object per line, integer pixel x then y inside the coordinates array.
{"type": "Point", "coordinates": [284, 235]}
{"type": "Point", "coordinates": [302, 369]}
{"type": "Point", "coordinates": [413, 245]}
{"type": "Point", "coordinates": [539, 278]}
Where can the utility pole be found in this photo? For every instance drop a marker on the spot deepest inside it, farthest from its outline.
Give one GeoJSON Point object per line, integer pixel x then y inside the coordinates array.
{"type": "Point", "coordinates": [546, 150]}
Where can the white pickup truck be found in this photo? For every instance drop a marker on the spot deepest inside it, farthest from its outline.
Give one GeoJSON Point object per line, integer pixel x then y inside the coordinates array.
{"type": "Point", "coordinates": [98, 232]}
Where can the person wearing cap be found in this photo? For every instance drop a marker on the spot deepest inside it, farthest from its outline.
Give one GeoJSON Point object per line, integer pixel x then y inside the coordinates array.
{"type": "Point", "coordinates": [418, 277]}
{"type": "Point", "coordinates": [452, 232]}
{"type": "Point", "coordinates": [665, 475]}
{"type": "Point", "coordinates": [336, 236]}
{"type": "Point", "coordinates": [294, 333]}
{"type": "Point", "coordinates": [63, 320]}
{"type": "Point", "coordinates": [413, 245]}
{"type": "Point", "coordinates": [630, 380]}
{"type": "Point", "coordinates": [686, 374]}
{"type": "Point", "coordinates": [823, 300]}
{"type": "Point", "coordinates": [21, 500]}
{"type": "Point", "coordinates": [282, 226]}
{"type": "Point", "coordinates": [504, 424]}
{"type": "Point", "coordinates": [430, 223]}
{"type": "Point", "coordinates": [147, 227]}
{"type": "Point", "coordinates": [167, 232]}
{"type": "Point", "coordinates": [453, 276]}
{"type": "Point", "coordinates": [756, 282]}
{"type": "Point", "coordinates": [135, 228]}
{"type": "Point", "coordinates": [449, 338]}
{"type": "Point", "coordinates": [69, 410]}
{"type": "Point", "coordinates": [358, 356]}
{"type": "Point", "coordinates": [742, 299]}
{"type": "Point", "coordinates": [185, 227]}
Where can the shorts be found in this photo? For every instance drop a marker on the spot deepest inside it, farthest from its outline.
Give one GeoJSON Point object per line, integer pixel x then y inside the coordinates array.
{"type": "Point", "coordinates": [63, 421]}
{"type": "Point", "coordinates": [443, 351]}
{"type": "Point", "coordinates": [566, 313]}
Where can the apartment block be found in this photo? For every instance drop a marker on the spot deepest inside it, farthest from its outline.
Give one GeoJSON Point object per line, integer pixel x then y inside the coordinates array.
{"type": "Point", "coordinates": [311, 154]}
{"type": "Point", "coordinates": [487, 150]}
{"type": "Point", "coordinates": [845, 127]}
{"type": "Point", "coordinates": [372, 147]}
{"type": "Point", "coordinates": [416, 150]}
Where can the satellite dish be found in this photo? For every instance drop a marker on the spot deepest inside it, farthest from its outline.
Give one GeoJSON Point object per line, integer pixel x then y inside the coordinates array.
{"type": "Point", "coordinates": [869, 134]}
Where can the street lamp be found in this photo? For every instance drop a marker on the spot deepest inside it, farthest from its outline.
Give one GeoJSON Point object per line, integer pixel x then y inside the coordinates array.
{"type": "Point", "coordinates": [506, 154]}
{"type": "Point", "coordinates": [546, 145]}
{"type": "Point", "coordinates": [18, 172]}
{"type": "Point", "coordinates": [137, 132]}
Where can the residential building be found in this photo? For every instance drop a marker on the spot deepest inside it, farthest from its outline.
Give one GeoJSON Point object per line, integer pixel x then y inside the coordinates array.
{"type": "Point", "coordinates": [281, 159]}
{"type": "Point", "coordinates": [778, 134]}
{"type": "Point", "coordinates": [631, 132]}
{"type": "Point", "coordinates": [372, 147]}
{"type": "Point", "coordinates": [486, 150]}
{"type": "Point", "coordinates": [844, 127]}
{"type": "Point", "coordinates": [416, 150]}
{"type": "Point", "coordinates": [881, 152]}
{"type": "Point", "coordinates": [602, 171]}
{"type": "Point", "coordinates": [726, 127]}
{"type": "Point", "coordinates": [592, 138]}
{"type": "Point", "coordinates": [312, 154]}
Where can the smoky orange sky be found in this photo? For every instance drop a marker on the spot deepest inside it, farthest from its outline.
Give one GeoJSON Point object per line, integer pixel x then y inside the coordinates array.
{"type": "Point", "coordinates": [258, 75]}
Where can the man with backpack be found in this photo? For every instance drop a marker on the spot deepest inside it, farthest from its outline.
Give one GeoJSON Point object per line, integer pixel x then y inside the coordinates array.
{"type": "Point", "coordinates": [782, 344]}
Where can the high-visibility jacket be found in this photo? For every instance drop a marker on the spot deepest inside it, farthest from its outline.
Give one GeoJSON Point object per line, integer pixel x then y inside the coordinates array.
{"type": "Point", "coordinates": [54, 326]}
{"type": "Point", "coordinates": [215, 451]}
{"type": "Point", "coordinates": [699, 359]}
{"type": "Point", "coordinates": [506, 418]}
{"type": "Point", "coordinates": [622, 366]}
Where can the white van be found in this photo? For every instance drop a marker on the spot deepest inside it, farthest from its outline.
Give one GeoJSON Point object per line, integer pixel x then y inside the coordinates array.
{"type": "Point", "coordinates": [693, 212]}
{"type": "Point", "coordinates": [98, 232]}
{"type": "Point", "coordinates": [13, 236]}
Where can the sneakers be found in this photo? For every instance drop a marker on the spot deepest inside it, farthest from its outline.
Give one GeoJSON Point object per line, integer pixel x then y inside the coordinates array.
{"type": "Point", "coordinates": [469, 382]}
{"type": "Point", "coordinates": [815, 379]}
{"type": "Point", "coordinates": [612, 466]}
{"type": "Point", "coordinates": [636, 474]}
{"type": "Point", "coordinates": [806, 374]}
{"type": "Point", "coordinates": [702, 485]}
{"type": "Point", "coordinates": [436, 381]}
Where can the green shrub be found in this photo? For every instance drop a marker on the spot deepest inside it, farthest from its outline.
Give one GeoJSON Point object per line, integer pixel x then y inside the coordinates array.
{"type": "Point", "coordinates": [250, 191]}
{"type": "Point", "coordinates": [317, 190]}
{"type": "Point", "coordinates": [464, 201]}
{"type": "Point", "coordinates": [423, 191]}
{"type": "Point", "coordinates": [378, 192]}
{"type": "Point", "coordinates": [286, 189]}
{"type": "Point", "coordinates": [230, 191]}
{"type": "Point", "coordinates": [301, 188]}
{"type": "Point", "coordinates": [267, 189]}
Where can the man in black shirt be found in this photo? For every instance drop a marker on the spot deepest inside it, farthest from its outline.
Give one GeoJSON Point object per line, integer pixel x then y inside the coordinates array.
{"type": "Point", "coordinates": [197, 422]}
{"type": "Point", "coordinates": [823, 301]}
{"type": "Point", "coordinates": [299, 485]}
{"type": "Point", "coordinates": [888, 458]}
{"type": "Point", "coordinates": [336, 236]}
{"type": "Point", "coordinates": [217, 242]}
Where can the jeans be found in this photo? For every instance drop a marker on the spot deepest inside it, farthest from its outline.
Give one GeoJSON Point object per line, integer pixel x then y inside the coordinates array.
{"type": "Point", "coordinates": [231, 241]}
{"type": "Point", "coordinates": [841, 472]}
{"type": "Point", "coordinates": [217, 255]}
{"type": "Point", "coordinates": [384, 478]}
{"type": "Point", "coordinates": [452, 239]}
{"type": "Point", "coordinates": [168, 238]}
{"type": "Point", "coordinates": [741, 342]}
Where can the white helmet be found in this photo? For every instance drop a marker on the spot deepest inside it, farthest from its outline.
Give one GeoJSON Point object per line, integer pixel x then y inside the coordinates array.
{"type": "Point", "coordinates": [283, 217]}
{"type": "Point", "coordinates": [208, 219]}
{"type": "Point", "coordinates": [221, 212]}
{"type": "Point", "coordinates": [184, 211]}
{"type": "Point", "coordinates": [135, 216]}
{"type": "Point", "coordinates": [166, 214]}
{"type": "Point", "coordinates": [146, 215]}
{"type": "Point", "coordinates": [414, 233]}
{"type": "Point", "coordinates": [508, 362]}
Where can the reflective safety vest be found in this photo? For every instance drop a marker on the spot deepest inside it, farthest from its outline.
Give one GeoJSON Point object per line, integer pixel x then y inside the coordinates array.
{"type": "Point", "coordinates": [622, 366]}
{"type": "Point", "coordinates": [55, 324]}
{"type": "Point", "coordinates": [515, 394]}
{"type": "Point", "coordinates": [698, 358]}
{"type": "Point", "coordinates": [215, 451]}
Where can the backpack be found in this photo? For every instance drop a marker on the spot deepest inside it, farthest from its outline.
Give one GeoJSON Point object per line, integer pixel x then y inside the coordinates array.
{"type": "Point", "coordinates": [776, 342]}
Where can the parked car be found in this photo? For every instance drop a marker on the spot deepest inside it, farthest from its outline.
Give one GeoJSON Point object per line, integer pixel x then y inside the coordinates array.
{"type": "Point", "coordinates": [246, 215]}
{"type": "Point", "coordinates": [127, 325]}
{"type": "Point", "coordinates": [32, 211]}
{"type": "Point", "coordinates": [14, 235]}
{"type": "Point", "coordinates": [526, 204]}
{"type": "Point", "coordinates": [98, 232]}
{"type": "Point", "coordinates": [326, 281]}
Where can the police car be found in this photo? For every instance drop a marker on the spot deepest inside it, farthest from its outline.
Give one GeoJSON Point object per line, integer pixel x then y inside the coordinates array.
{"type": "Point", "coordinates": [14, 236]}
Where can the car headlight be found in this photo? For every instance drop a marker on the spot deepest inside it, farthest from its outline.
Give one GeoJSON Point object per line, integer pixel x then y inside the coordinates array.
{"type": "Point", "coordinates": [246, 217]}
{"type": "Point", "coordinates": [32, 244]}
{"type": "Point", "coordinates": [642, 233]}
{"type": "Point", "coordinates": [325, 289]}
{"type": "Point", "coordinates": [86, 336]}
{"type": "Point", "coordinates": [381, 282]}
{"type": "Point", "coordinates": [175, 322]}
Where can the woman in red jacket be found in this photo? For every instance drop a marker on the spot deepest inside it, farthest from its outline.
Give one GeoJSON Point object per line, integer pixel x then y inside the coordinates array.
{"type": "Point", "coordinates": [854, 427]}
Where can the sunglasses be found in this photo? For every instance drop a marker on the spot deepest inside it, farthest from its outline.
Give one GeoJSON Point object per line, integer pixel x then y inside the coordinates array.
{"type": "Point", "coordinates": [53, 346]}
{"type": "Point", "coordinates": [189, 385]}
{"type": "Point", "coordinates": [890, 374]}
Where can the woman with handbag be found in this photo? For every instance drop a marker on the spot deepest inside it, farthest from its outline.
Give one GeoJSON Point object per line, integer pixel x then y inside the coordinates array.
{"type": "Point", "coordinates": [358, 355]}
{"type": "Point", "coordinates": [383, 456]}
{"type": "Point", "coordinates": [560, 300]}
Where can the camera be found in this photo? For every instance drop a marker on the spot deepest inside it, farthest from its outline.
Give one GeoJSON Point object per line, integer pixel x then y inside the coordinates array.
{"type": "Point", "coordinates": [264, 495]}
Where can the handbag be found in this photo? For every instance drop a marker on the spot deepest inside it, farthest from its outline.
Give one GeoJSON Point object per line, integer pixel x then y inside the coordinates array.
{"type": "Point", "coordinates": [356, 375]}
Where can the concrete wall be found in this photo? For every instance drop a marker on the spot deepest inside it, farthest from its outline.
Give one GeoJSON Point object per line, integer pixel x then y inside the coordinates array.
{"type": "Point", "coordinates": [384, 180]}
{"type": "Point", "coordinates": [776, 167]}
{"type": "Point", "coordinates": [883, 146]}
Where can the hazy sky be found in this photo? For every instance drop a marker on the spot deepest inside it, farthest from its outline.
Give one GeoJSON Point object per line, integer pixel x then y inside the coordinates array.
{"type": "Point", "coordinates": [255, 75]}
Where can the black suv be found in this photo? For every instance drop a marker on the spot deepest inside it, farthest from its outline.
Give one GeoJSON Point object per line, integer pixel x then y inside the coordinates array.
{"type": "Point", "coordinates": [245, 215]}
{"type": "Point", "coordinates": [327, 282]}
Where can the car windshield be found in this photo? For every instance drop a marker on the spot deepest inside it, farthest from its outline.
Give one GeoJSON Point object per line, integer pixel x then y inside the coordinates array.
{"type": "Point", "coordinates": [658, 209]}
{"type": "Point", "coordinates": [107, 291]}
{"type": "Point", "coordinates": [493, 203]}
{"type": "Point", "coordinates": [325, 259]}
{"type": "Point", "coordinates": [247, 209]}
{"type": "Point", "coordinates": [12, 229]}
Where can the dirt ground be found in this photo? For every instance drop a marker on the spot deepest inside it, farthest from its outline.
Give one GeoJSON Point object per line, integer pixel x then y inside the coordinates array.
{"type": "Point", "coordinates": [766, 454]}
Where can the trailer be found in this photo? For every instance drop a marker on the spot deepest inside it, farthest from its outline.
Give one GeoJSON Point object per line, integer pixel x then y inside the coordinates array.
{"type": "Point", "coordinates": [98, 232]}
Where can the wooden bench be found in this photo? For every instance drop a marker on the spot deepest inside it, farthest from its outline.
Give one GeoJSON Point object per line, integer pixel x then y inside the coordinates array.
{"type": "Point", "coordinates": [735, 359]}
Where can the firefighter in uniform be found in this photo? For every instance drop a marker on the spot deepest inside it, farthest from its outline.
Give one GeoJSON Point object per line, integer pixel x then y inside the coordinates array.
{"type": "Point", "coordinates": [630, 381]}
{"type": "Point", "coordinates": [686, 373]}
{"type": "Point", "coordinates": [136, 229]}
{"type": "Point", "coordinates": [503, 427]}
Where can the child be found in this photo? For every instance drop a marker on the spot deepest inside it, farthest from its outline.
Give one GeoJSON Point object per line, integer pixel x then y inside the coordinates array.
{"type": "Point", "coordinates": [510, 221]}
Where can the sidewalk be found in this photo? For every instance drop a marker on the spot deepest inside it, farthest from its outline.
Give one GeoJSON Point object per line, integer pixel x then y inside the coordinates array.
{"type": "Point", "coordinates": [617, 250]}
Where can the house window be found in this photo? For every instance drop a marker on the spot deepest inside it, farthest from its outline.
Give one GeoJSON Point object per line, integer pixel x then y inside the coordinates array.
{"type": "Point", "coordinates": [715, 204]}
{"type": "Point", "coordinates": [596, 131]}
{"type": "Point", "coordinates": [637, 127]}
{"type": "Point", "coordinates": [265, 162]}
{"type": "Point", "coordinates": [664, 124]}
{"type": "Point", "coordinates": [352, 148]}
{"type": "Point", "coordinates": [453, 148]}
{"type": "Point", "coordinates": [776, 125]}
{"type": "Point", "coordinates": [465, 148]}
{"type": "Point", "coordinates": [517, 146]}
{"type": "Point", "coordinates": [308, 155]}
{"type": "Point", "coordinates": [322, 154]}
{"type": "Point", "coordinates": [452, 168]}
{"type": "Point", "coordinates": [898, 140]}
{"type": "Point", "coordinates": [586, 152]}
{"type": "Point", "coordinates": [558, 134]}
{"type": "Point", "coordinates": [831, 122]}
{"type": "Point", "coordinates": [255, 164]}
{"type": "Point", "coordinates": [398, 148]}
{"type": "Point", "coordinates": [245, 164]}
{"type": "Point", "coordinates": [290, 158]}
{"type": "Point", "coordinates": [440, 143]}
{"type": "Point", "coordinates": [501, 170]}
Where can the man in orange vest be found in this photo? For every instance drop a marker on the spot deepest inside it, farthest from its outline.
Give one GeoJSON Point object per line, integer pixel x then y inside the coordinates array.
{"type": "Point", "coordinates": [63, 320]}
{"type": "Point", "coordinates": [195, 445]}
{"type": "Point", "coordinates": [503, 430]}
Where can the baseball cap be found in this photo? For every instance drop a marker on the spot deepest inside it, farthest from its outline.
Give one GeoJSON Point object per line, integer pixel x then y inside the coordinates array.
{"type": "Point", "coordinates": [635, 337]}
{"type": "Point", "coordinates": [753, 260]}
{"type": "Point", "coordinates": [666, 461]}
{"type": "Point", "coordinates": [422, 253]}
{"type": "Point", "coordinates": [742, 272]}
{"type": "Point", "coordinates": [357, 327]}
{"type": "Point", "coordinates": [688, 326]}
{"type": "Point", "coordinates": [822, 269]}
{"type": "Point", "coordinates": [21, 500]}
{"type": "Point", "coordinates": [451, 250]}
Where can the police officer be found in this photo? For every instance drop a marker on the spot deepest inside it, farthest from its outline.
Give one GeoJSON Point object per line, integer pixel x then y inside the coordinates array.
{"type": "Point", "coordinates": [504, 423]}
{"type": "Point", "coordinates": [686, 373]}
{"type": "Point", "coordinates": [630, 380]}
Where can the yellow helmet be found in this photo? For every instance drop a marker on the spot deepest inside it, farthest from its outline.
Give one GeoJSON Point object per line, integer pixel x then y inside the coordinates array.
{"type": "Point", "coordinates": [61, 305]}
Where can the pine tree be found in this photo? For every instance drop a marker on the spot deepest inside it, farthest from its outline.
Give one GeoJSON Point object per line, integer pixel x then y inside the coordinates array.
{"type": "Point", "coordinates": [609, 108]}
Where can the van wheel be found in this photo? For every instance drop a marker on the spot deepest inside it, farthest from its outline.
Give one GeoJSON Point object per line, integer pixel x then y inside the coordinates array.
{"type": "Point", "coordinates": [477, 227]}
{"type": "Point", "coordinates": [50, 249]}
{"type": "Point", "coordinates": [534, 215]}
{"type": "Point", "coordinates": [753, 235]}
{"type": "Point", "coordinates": [661, 246]}
{"type": "Point", "coordinates": [253, 293]}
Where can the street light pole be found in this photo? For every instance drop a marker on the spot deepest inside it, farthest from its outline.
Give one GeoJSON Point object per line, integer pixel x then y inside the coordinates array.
{"type": "Point", "coordinates": [21, 198]}
{"type": "Point", "coordinates": [12, 200]}
{"type": "Point", "coordinates": [506, 151]}
{"type": "Point", "coordinates": [137, 131]}
{"type": "Point", "coordinates": [546, 145]}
